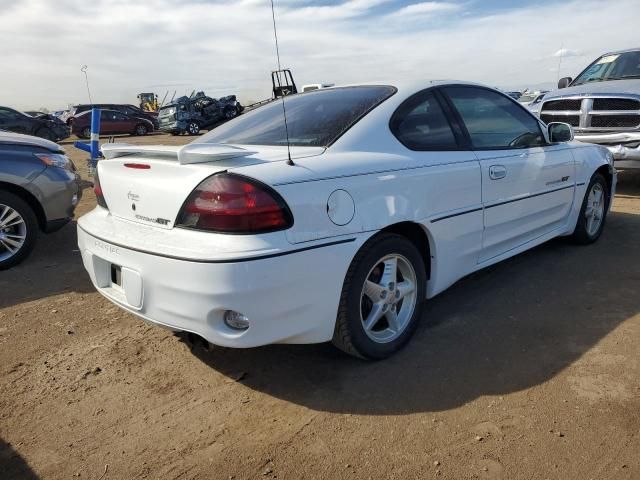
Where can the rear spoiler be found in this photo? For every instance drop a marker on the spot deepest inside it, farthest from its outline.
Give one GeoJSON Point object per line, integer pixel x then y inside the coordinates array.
{"type": "Point", "coordinates": [184, 155]}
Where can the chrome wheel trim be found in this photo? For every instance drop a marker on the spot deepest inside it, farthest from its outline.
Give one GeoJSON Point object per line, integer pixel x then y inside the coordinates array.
{"type": "Point", "coordinates": [388, 298]}
{"type": "Point", "coordinates": [141, 130]}
{"type": "Point", "coordinates": [193, 128]}
{"type": "Point", "coordinates": [13, 232]}
{"type": "Point", "coordinates": [594, 213]}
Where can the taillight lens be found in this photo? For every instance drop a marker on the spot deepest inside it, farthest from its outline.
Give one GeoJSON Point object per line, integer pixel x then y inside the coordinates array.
{"type": "Point", "coordinates": [97, 189]}
{"type": "Point", "coordinates": [232, 203]}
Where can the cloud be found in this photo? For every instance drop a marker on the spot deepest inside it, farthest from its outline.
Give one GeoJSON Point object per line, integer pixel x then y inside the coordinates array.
{"type": "Point", "coordinates": [227, 46]}
{"type": "Point", "coordinates": [425, 9]}
{"type": "Point", "coordinates": [565, 52]}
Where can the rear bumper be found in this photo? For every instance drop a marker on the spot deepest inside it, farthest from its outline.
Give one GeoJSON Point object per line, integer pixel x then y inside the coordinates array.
{"type": "Point", "coordinates": [288, 297]}
{"type": "Point", "coordinates": [617, 143]}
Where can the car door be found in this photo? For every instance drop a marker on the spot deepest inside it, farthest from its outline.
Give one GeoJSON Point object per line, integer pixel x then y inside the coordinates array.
{"type": "Point", "coordinates": [126, 124]}
{"type": "Point", "coordinates": [109, 123]}
{"type": "Point", "coordinates": [528, 185]}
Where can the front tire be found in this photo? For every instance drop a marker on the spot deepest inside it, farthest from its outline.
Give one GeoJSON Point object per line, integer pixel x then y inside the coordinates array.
{"type": "Point", "coordinates": [593, 212]}
{"type": "Point", "coordinates": [382, 298]}
{"type": "Point", "coordinates": [46, 133]}
{"type": "Point", "coordinates": [193, 128]}
{"type": "Point", "coordinates": [18, 230]}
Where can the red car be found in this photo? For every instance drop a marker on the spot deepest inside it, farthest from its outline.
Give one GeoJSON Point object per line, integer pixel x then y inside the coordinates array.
{"type": "Point", "coordinates": [112, 122]}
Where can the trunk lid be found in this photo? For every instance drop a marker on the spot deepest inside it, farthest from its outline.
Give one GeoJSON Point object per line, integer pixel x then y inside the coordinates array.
{"type": "Point", "coordinates": [149, 184]}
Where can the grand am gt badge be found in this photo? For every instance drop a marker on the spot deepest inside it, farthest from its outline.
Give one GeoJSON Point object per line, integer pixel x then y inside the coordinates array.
{"type": "Point", "coordinates": [159, 221]}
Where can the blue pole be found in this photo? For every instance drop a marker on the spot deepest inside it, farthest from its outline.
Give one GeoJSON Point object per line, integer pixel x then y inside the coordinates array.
{"type": "Point", "coordinates": [95, 134]}
{"type": "Point", "coordinates": [94, 146]}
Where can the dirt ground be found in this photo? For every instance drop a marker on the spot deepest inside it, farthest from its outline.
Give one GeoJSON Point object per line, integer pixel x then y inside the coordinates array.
{"type": "Point", "coordinates": [527, 370]}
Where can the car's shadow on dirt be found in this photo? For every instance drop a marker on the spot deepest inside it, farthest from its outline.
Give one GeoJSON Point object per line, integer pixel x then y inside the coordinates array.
{"type": "Point", "coordinates": [628, 184]}
{"type": "Point", "coordinates": [12, 465]}
{"type": "Point", "coordinates": [54, 267]}
{"type": "Point", "coordinates": [506, 328]}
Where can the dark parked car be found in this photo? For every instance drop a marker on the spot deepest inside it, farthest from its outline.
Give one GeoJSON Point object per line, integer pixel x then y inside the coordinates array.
{"type": "Point", "coordinates": [130, 110]}
{"type": "Point", "coordinates": [111, 123]}
{"type": "Point", "coordinates": [43, 126]}
{"type": "Point", "coordinates": [39, 191]}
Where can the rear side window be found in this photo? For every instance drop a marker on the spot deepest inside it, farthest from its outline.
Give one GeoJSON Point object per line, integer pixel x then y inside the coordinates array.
{"type": "Point", "coordinates": [493, 120]}
{"type": "Point", "coordinates": [314, 119]}
{"type": "Point", "coordinates": [420, 124]}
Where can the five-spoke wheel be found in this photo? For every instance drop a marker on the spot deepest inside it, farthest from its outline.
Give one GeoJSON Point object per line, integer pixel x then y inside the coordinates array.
{"type": "Point", "coordinates": [382, 297]}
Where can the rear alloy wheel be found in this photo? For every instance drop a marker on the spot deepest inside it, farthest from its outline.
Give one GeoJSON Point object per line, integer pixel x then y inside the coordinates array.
{"type": "Point", "coordinates": [18, 230]}
{"type": "Point", "coordinates": [230, 112]}
{"type": "Point", "coordinates": [193, 128]}
{"type": "Point", "coordinates": [86, 132]}
{"type": "Point", "coordinates": [593, 212]}
{"type": "Point", "coordinates": [382, 298]}
{"type": "Point", "coordinates": [141, 130]}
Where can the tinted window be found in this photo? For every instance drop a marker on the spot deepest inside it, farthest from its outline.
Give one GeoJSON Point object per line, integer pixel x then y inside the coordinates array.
{"type": "Point", "coordinates": [8, 114]}
{"type": "Point", "coordinates": [314, 119]}
{"type": "Point", "coordinates": [493, 120]}
{"type": "Point", "coordinates": [420, 124]}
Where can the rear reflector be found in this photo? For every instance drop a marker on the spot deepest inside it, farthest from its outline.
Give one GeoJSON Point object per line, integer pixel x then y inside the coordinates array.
{"type": "Point", "coordinates": [139, 166]}
{"type": "Point", "coordinates": [232, 203]}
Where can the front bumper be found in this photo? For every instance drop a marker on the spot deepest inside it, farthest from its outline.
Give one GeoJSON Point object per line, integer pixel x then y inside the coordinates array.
{"type": "Point", "coordinates": [624, 156]}
{"type": "Point", "coordinates": [59, 191]}
{"type": "Point", "coordinates": [288, 297]}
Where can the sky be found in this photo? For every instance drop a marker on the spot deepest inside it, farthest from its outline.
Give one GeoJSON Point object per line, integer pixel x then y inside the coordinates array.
{"type": "Point", "coordinates": [227, 47]}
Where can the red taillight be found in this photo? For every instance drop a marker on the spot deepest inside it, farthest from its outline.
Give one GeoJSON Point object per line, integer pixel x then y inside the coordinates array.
{"type": "Point", "coordinates": [139, 166]}
{"type": "Point", "coordinates": [234, 204]}
{"type": "Point", "coordinates": [97, 189]}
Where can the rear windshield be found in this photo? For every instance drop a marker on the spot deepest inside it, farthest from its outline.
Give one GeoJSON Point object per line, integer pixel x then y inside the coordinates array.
{"type": "Point", "coordinates": [314, 119]}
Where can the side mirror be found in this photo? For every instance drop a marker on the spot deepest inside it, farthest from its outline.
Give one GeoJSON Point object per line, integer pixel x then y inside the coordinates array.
{"type": "Point", "coordinates": [560, 132]}
{"type": "Point", "coordinates": [564, 82]}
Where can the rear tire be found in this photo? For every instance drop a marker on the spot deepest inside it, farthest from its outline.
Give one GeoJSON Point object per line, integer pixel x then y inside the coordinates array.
{"type": "Point", "coordinates": [593, 212]}
{"type": "Point", "coordinates": [230, 112]}
{"type": "Point", "coordinates": [18, 230]}
{"type": "Point", "coordinates": [141, 130]}
{"type": "Point", "coordinates": [85, 133]}
{"type": "Point", "coordinates": [382, 298]}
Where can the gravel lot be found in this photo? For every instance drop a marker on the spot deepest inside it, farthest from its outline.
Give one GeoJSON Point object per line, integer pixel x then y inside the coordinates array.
{"type": "Point", "coordinates": [529, 369]}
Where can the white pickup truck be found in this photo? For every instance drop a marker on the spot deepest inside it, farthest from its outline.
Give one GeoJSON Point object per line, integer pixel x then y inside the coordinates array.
{"type": "Point", "coordinates": [603, 105]}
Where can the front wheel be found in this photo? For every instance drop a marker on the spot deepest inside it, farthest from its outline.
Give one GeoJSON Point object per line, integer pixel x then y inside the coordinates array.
{"type": "Point", "coordinates": [193, 128]}
{"type": "Point", "coordinates": [382, 297]}
{"type": "Point", "coordinates": [18, 230]}
{"type": "Point", "coordinates": [593, 212]}
{"type": "Point", "coordinates": [46, 133]}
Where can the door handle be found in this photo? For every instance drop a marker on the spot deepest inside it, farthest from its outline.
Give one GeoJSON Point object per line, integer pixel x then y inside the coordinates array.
{"type": "Point", "coordinates": [496, 172]}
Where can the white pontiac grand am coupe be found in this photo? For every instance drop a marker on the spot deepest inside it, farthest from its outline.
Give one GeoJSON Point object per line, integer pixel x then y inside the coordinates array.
{"type": "Point", "coordinates": [390, 195]}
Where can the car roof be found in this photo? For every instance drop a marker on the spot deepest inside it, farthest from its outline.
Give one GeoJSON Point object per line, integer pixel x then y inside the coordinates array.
{"type": "Point", "coordinates": [637, 49]}
{"type": "Point", "coordinates": [19, 139]}
{"type": "Point", "coordinates": [407, 88]}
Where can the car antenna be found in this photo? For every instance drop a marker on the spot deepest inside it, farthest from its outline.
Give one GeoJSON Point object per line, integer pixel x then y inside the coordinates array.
{"type": "Point", "coordinates": [284, 110]}
{"type": "Point", "coordinates": [83, 69]}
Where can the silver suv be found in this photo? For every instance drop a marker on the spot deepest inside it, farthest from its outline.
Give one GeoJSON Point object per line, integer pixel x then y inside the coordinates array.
{"type": "Point", "coordinates": [603, 105]}
{"type": "Point", "coordinates": [39, 190]}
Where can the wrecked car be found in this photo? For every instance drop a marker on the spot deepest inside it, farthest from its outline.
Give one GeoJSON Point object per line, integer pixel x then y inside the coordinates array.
{"type": "Point", "coordinates": [602, 104]}
{"type": "Point", "coordinates": [38, 124]}
{"type": "Point", "coordinates": [192, 114]}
